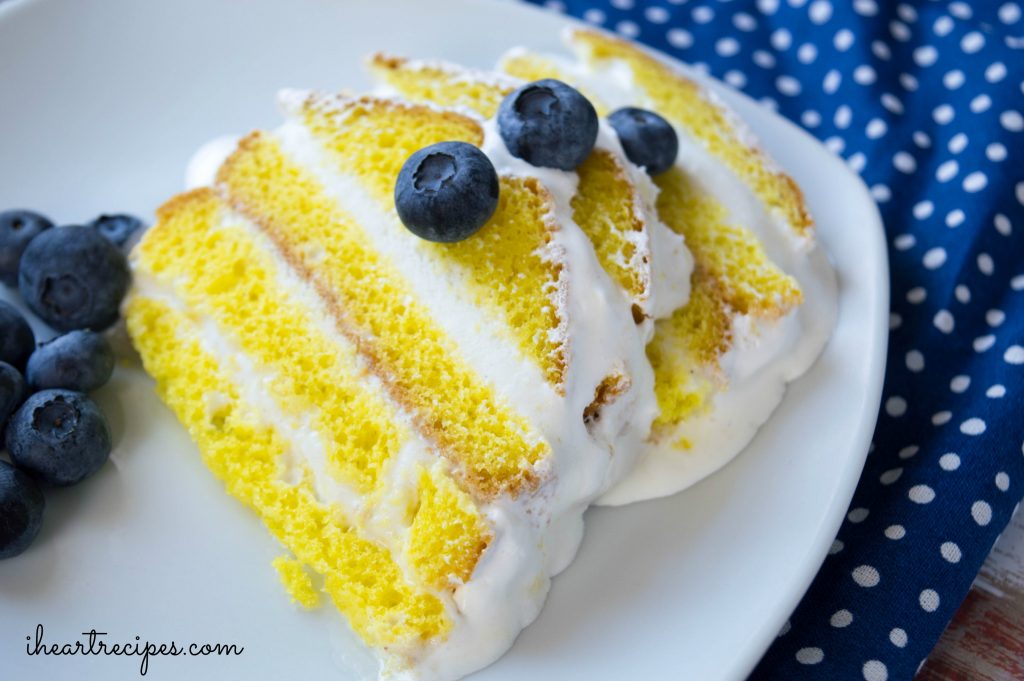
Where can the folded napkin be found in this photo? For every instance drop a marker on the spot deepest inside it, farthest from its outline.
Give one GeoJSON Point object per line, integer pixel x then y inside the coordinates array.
{"type": "Point", "coordinates": [924, 100]}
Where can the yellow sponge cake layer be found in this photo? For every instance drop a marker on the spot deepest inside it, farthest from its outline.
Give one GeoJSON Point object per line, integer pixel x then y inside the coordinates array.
{"type": "Point", "coordinates": [518, 281]}
{"type": "Point", "coordinates": [235, 286]}
{"type": "Point", "coordinates": [447, 534]}
{"type": "Point", "coordinates": [732, 255]}
{"type": "Point", "coordinates": [489, 445]}
{"type": "Point", "coordinates": [440, 83]}
{"type": "Point", "coordinates": [605, 209]}
{"type": "Point", "coordinates": [243, 450]}
{"type": "Point", "coordinates": [686, 104]}
{"type": "Point", "coordinates": [605, 205]}
{"type": "Point", "coordinates": [684, 347]}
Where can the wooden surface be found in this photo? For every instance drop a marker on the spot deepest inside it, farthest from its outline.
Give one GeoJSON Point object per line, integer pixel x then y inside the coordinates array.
{"type": "Point", "coordinates": [985, 640]}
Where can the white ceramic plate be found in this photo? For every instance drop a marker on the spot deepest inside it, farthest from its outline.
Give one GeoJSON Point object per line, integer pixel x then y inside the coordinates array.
{"type": "Point", "coordinates": [101, 105]}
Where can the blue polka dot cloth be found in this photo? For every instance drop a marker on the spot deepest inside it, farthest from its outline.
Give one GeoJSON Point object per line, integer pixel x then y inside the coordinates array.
{"type": "Point", "coordinates": [923, 99]}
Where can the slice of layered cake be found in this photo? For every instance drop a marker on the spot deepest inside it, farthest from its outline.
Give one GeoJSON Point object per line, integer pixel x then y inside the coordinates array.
{"type": "Point", "coordinates": [418, 332]}
{"type": "Point", "coordinates": [420, 423]}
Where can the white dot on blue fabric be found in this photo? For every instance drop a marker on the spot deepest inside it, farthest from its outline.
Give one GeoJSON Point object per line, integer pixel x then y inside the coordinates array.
{"type": "Point", "coordinates": [656, 14]}
{"type": "Point", "coordinates": [866, 8]}
{"type": "Point", "coordinates": [995, 72]}
{"type": "Point", "coordinates": [973, 426]}
{"type": "Point", "coordinates": [866, 576]}
{"type": "Point", "coordinates": [960, 9]}
{"type": "Point", "coordinates": [929, 600]}
{"type": "Point", "coordinates": [841, 618]}
{"type": "Point", "coordinates": [781, 39]}
{"type": "Point", "coordinates": [950, 552]}
{"type": "Point", "coordinates": [727, 46]}
{"type": "Point", "coordinates": [857, 515]}
{"type": "Point", "coordinates": [943, 114]}
{"type": "Point", "coordinates": [810, 655]}
{"type": "Point", "coordinates": [949, 461]}
{"type": "Point", "coordinates": [744, 21]}
{"type": "Point", "coordinates": [947, 170]}
{"type": "Point", "coordinates": [944, 321]}
{"type": "Point", "coordinates": [890, 476]}
{"type": "Point", "coordinates": [1014, 355]}
{"type": "Point", "coordinates": [943, 26]}
{"type": "Point", "coordinates": [896, 406]}
{"type": "Point", "coordinates": [921, 494]}
{"type": "Point", "coordinates": [628, 28]}
{"type": "Point", "coordinates": [895, 532]}
{"type": "Point", "coordinates": [996, 391]}
{"type": "Point", "coordinates": [923, 209]}
{"type": "Point", "coordinates": [960, 383]}
{"type": "Point", "coordinates": [981, 103]}
{"type": "Point", "coordinates": [678, 37]}
{"type": "Point", "coordinates": [983, 343]}
{"type": "Point", "coordinates": [875, 670]}
{"type": "Point", "coordinates": [981, 511]}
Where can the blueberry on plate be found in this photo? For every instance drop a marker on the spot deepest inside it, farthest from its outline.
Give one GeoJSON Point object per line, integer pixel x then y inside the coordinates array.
{"type": "Point", "coordinates": [548, 123]}
{"type": "Point", "coordinates": [647, 138]}
{"type": "Point", "coordinates": [78, 360]}
{"type": "Point", "coordinates": [17, 228]}
{"type": "Point", "coordinates": [118, 228]}
{"type": "Point", "coordinates": [21, 510]}
{"type": "Point", "coordinates": [73, 278]}
{"type": "Point", "coordinates": [12, 391]}
{"type": "Point", "coordinates": [16, 338]}
{"type": "Point", "coordinates": [446, 192]}
{"type": "Point", "coordinates": [58, 436]}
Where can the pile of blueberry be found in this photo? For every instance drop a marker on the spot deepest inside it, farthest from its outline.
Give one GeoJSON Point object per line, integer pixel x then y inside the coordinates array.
{"type": "Point", "coordinates": [446, 192]}
{"type": "Point", "coordinates": [73, 278]}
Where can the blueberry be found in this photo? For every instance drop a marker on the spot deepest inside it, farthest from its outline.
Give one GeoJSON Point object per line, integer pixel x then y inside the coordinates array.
{"type": "Point", "coordinates": [549, 124]}
{"type": "Point", "coordinates": [446, 192]}
{"type": "Point", "coordinates": [12, 391]}
{"type": "Point", "coordinates": [16, 338]}
{"type": "Point", "coordinates": [59, 436]}
{"type": "Point", "coordinates": [647, 138]}
{"type": "Point", "coordinates": [118, 228]}
{"type": "Point", "coordinates": [17, 228]}
{"type": "Point", "coordinates": [78, 360]}
{"type": "Point", "coordinates": [21, 510]}
{"type": "Point", "coordinates": [73, 278]}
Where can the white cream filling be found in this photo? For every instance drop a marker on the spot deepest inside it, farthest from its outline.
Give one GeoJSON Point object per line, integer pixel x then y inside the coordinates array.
{"type": "Point", "coordinates": [203, 166]}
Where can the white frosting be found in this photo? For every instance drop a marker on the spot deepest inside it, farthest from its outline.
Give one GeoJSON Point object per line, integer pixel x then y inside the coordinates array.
{"type": "Point", "coordinates": [202, 167]}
